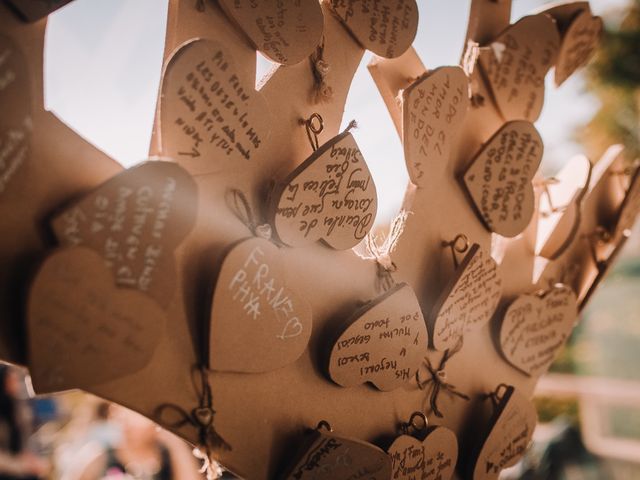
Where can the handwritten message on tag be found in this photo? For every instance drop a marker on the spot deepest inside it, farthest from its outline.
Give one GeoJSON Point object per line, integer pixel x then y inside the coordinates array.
{"type": "Point", "coordinates": [286, 32]}
{"type": "Point", "coordinates": [330, 196]}
{"type": "Point", "coordinates": [515, 65]}
{"type": "Point", "coordinates": [211, 116]}
{"type": "Point", "coordinates": [499, 180]}
{"type": "Point", "coordinates": [469, 299]}
{"type": "Point", "coordinates": [330, 457]}
{"type": "Point", "coordinates": [434, 107]}
{"type": "Point", "coordinates": [630, 207]}
{"type": "Point", "coordinates": [386, 27]}
{"type": "Point", "coordinates": [15, 122]}
{"type": "Point", "coordinates": [384, 345]}
{"type": "Point", "coordinates": [535, 328]}
{"type": "Point", "coordinates": [257, 323]}
{"type": "Point", "coordinates": [578, 45]}
{"type": "Point", "coordinates": [135, 221]}
{"type": "Point", "coordinates": [508, 436]}
{"type": "Point", "coordinates": [83, 330]}
{"type": "Point", "coordinates": [432, 459]}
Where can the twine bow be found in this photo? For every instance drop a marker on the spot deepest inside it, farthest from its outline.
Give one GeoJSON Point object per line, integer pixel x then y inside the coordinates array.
{"type": "Point", "coordinates": [438, 378]}
{"type": "Point", "coordinates": [201, 418]}
{"type": "Point", "coordinates": [242, 209]}
{"type": "Point", "coordinates": [381, 250]}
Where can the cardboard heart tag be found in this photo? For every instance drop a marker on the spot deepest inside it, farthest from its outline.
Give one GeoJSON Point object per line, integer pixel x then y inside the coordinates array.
{"type": "Point", "coordinates": [384, 344]}
{"type": "Point", "coordinates": [135, 221]}
{"type": "Point", "coordinates": [82, 329]}
{"type": "Point", "coordinates": [630, 206]}
{"type": "Point", "coordinates": [386, 27]}
{"type": "Point", "coordinates": [434, 108]}
{"type": "Point", "coordinates": [257, 323]}
{"type": "Point", "coordinates": [285, 32]}
{"type": "Point", "coordinates": [211, 116]}
{"type": "Point", "coordinates": [507, 437]}
{"type": "Point", "coordinates": [330, 196]}
{"type": "Point", "coordinates": [499, 180]}
{"type": "Point", "coordinates": [330, 457]}
{"type": "Point", "coordinates": [433, 458]}
{"type": "Point", "coordinates": [15, 123]}
{"type": "Point", "coordinates": [579, 42]}
{"type": "Point", "coordinates": [535, 328]}
{"type": "Point", "coordinates": [516, 62]}
{"type": "Point", "coordinates": [468, 301]}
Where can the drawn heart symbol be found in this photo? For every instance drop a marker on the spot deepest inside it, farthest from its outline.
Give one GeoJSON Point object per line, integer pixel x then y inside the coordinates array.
{"type": "Point", "coordinates": [386, 27]}
{"type": "Point", "coordinates": [507, 436]}
{"type": "Point", "coordinates": [536, 327]}
{"type": "Point", "coordinates": [82, 329]}
{"type": "Point", "coordinates": [434, 108]}
{"type": "Point", "coordinates": [257, 323]}
{"type": "Point", "coordinates": [135, 221]}
{"type": "Point", "coordinates": [211, 116]}
{"type": "Point", "coordinates": [330, 196]}
{"type": "Point", "coordinates": [630, 206]}
{"type": "Point", "coordinates": [516, 62]}
{"type": "Point", "coordinates": [579, 42]}
{"type": "Point", "coordinates": [384, 345]}
{"type": "Point", "coordinates": [285, 32]}
{"type": "Point", "coordinates": [433, 458]}
{"type": "Point", "coordinates": [468, 301]}
{"type": "Point", "coordinates": [329, 457]}
{"type": "Point", "coordinates": [15, 123]}
{"type": "Point", "coordinates": [499, 178]}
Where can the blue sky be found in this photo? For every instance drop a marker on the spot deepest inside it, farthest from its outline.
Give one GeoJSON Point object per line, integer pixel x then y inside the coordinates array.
{"type": "Point", "coordinates": [102, 67]}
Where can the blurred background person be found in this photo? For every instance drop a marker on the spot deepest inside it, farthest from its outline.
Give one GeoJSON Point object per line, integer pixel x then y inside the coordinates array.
{"type": "Point", "coordinates": [142, 451]}
{"type": "Point", "coordinates": [16, 426]}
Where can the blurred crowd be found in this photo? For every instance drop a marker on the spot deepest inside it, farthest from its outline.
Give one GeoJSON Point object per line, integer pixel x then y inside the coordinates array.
{"type": "Point", "coordinates": [76, 436]}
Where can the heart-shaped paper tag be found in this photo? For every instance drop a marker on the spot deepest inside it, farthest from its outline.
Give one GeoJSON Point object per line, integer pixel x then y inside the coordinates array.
{"type": "Point", "coordinates": [385, 27]}
{"type": "Point", "coordinates": [515, 65]}
{"type": "Point", "coordinates": [630, 206]}
{"type": "Point", "coordinates": [434, 107]}
{"type": "Point", "coordinates": [329, 457]}
{"type": "Point", "coordinates": [257, 323]}
{"type": "Point", "coordinates": [579, 42]}
{"type": "Point", "coordinates": [15, 122]}
{"type": "Point", "coordinates": [82, 329]}
{"type": "Point", "coordinates": [211, 116]}
{"type": "Point", "coordinates": [384, 345]}
{"type": "Point", "coordinates": [135, 221]}
{"type": "Point", "coordinates": [507, 437]}
{"type": "Point", "coordinates": [535, 328]}
{"type": "Point", "coordinates": [499, 178]}
{"type": "Point", "coordinates": [469, 299]}
{"type": "Point", "coordinates": [330, 196]}
{"type": "Point", "coordinates": [286, 32]}
{"type": "Point", "coordinates": [434, 458]}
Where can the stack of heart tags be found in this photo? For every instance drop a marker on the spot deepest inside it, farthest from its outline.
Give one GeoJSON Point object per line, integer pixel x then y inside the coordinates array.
{"type": "Point", "coordinates": [215, 288]}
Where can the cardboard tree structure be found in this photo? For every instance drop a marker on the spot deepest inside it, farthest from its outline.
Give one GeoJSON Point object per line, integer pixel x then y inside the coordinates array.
{"type": "Point", "coordinates": [214, 289]}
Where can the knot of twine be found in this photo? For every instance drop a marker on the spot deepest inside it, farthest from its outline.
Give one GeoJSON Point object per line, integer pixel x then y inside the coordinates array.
{"type": "Point", "coordinates": [320, 68]}
{"type": "Point", "coordinates": [201, 418]}
{"type": "Point", "coordinates": [437, 379]}
{"type": "Point", "coordinates": [380, 250]}
{"type": "Point", "coordinates": [241, 207]}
